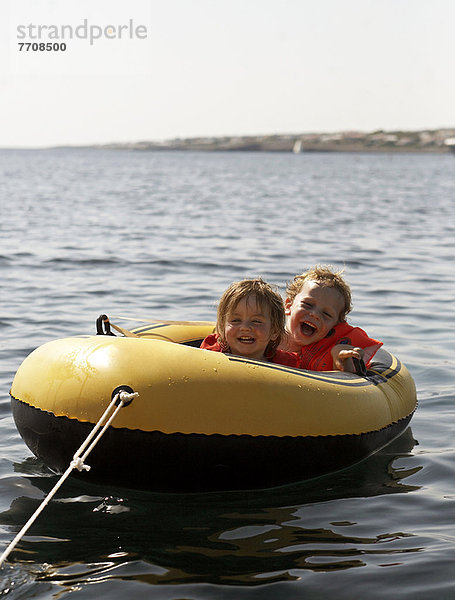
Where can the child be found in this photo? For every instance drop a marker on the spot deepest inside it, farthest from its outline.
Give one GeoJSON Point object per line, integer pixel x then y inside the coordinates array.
{"type": "Point", "coordinates": [316, 306]}
{"type": "Point", "coordinates": [250, 323]}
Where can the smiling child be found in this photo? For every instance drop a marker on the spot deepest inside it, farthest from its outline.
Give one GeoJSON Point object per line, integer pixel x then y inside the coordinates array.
{"type": "Point", "coordinates": [316, 306]}
{"type": "Point", "coordinates": [251, 323]}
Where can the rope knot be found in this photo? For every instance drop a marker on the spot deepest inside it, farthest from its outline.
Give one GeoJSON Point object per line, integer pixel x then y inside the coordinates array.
{"type": "Point", "coordinates": [78, 463]}
{"type": "Point", "coordinates": [126, 397]}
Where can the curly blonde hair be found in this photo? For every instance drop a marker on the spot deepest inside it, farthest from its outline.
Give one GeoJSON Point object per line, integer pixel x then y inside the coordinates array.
{"type": "Point", "coordinates": [265, 295]}
{"type": "Point", "coordinates": [324, 275]}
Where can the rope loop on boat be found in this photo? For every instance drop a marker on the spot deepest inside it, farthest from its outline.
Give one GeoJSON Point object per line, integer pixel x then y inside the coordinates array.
{"type": "Point", "coordinates": [103, 326]}
{"type": "Point", "coordinates": [121, 396]}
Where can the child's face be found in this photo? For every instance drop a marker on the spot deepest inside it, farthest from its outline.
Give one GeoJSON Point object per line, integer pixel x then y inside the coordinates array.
{"type": "Point", "coordinates": [248, 328]}
{"type": "Point", "coordinates": [312, 313]}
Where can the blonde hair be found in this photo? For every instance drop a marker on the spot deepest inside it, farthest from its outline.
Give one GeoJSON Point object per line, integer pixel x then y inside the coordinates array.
{"type": "Point", "coordinates": [265, 295]}
{"type": "Point", "coordinates": [326, 276]}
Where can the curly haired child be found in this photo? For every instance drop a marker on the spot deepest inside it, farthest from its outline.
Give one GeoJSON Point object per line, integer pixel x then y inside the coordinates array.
{"type": "Point", "coordinates": [316, 305]}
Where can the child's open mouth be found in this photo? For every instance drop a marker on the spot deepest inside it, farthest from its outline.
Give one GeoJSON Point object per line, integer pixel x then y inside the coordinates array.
{"type": "Point", "coordinates": [246, 340]}
{"type": "Point", "coordinates": [307, 328]}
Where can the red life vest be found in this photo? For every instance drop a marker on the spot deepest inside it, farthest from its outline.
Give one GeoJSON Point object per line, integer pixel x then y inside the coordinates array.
{"type": "Point", "coordinates": [281, 357]}
{"type": "Point", "coordinates": [318, 357]}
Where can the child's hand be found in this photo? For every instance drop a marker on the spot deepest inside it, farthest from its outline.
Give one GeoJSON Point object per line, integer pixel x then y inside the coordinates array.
{"type": "Point", "coordinates": [341, 355]}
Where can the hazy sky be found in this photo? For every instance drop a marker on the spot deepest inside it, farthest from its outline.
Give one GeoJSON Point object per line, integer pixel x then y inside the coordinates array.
{"type": "Point", "coordinates": [222, 67]}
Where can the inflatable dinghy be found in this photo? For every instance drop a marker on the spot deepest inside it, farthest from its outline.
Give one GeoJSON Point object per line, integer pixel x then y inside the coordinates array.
{"type": "Point", "coordinates": [202, 420]}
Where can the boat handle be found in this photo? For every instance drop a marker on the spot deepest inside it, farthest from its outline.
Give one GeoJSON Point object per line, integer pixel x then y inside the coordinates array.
{"type": "Point", "coordinates": [103, 326]}
{"type": "Point", "coordinates": [359, 366]}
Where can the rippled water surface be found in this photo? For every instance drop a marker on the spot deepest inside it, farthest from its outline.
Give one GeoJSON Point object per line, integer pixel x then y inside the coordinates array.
{"type": "Point", "coordinates": [160, 235]}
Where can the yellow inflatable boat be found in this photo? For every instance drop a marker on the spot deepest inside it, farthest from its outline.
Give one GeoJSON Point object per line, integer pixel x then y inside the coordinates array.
{"type": "Point", "coordinates": [203, 420]}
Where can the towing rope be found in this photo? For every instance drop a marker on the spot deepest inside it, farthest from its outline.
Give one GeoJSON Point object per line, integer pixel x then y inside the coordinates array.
{"type": "Point", "coordinates": [122, 396]}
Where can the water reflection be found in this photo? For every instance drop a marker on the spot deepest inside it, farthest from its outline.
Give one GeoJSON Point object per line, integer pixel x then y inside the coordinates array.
{"type": "Point", "coordinates": [233, 538]}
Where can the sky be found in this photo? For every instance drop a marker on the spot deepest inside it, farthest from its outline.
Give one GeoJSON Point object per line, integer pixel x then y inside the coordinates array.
{"type": "Point", "coordinates": [135, 70]}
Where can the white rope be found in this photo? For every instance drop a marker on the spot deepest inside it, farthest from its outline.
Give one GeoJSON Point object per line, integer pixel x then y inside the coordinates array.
{"type": "Point", "coordinates": [76, 463]}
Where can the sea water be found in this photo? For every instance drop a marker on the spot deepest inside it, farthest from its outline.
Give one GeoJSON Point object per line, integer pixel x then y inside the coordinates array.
{"type": "Point", "coordinates": [160, 236]}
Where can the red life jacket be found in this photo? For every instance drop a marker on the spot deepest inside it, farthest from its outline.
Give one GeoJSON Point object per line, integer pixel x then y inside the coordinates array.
{"type": "Point", "coordinates": [318, 357]}
{"type": "Point", "coordinates": [281, 357]}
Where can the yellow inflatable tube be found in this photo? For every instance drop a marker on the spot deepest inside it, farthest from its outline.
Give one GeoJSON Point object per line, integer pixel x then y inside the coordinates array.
{"type": "Point", "coordinates": [203, 420]}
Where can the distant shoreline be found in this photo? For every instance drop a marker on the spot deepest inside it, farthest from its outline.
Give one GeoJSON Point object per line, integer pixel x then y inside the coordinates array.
{"type": "Point", "coordinates": [439, 140]}
{"type": "Point", "coordinates": [429, 141]}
